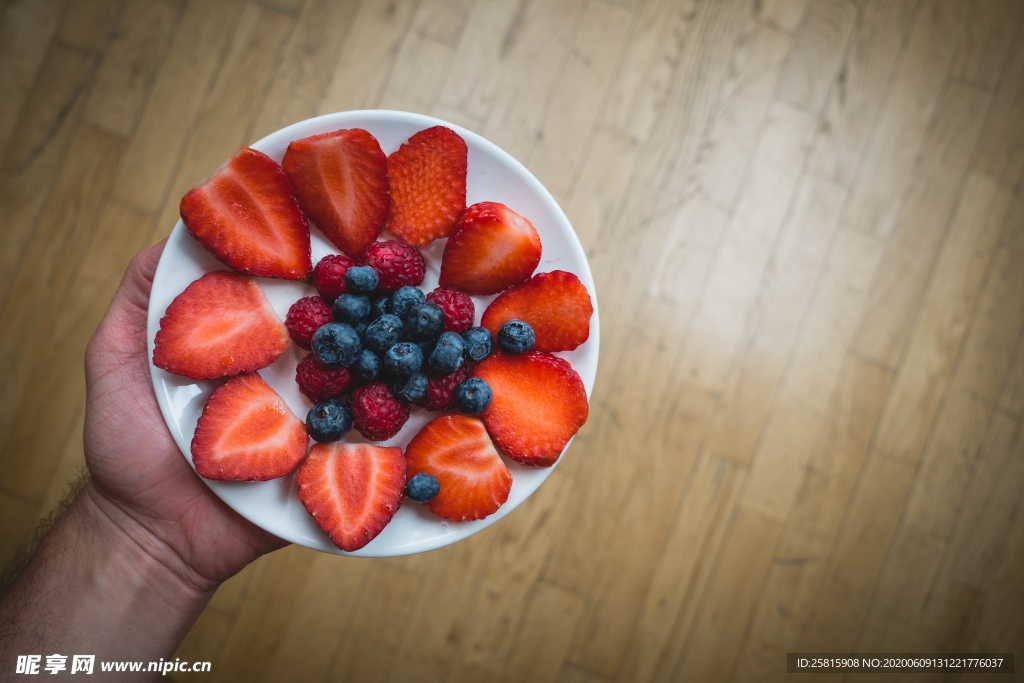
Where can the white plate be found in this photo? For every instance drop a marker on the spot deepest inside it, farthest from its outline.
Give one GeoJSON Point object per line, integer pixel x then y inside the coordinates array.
{"type": "Point", "coordinates": [493, 175]}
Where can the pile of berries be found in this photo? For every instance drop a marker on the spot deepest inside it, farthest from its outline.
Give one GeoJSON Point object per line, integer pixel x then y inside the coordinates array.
{"type": "Point", "coordinates": [380, 345]}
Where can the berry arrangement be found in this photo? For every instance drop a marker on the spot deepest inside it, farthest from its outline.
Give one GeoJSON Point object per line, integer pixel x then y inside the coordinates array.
{"type": "Point", "coordinates": [378, 345]}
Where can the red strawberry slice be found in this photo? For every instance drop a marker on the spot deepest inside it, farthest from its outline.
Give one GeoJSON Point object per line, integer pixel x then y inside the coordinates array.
{"type": "Point", "coordinates": [342, 183]}
{"type": "Point", "coordinates": [538, 404]}
{"type": "Point", "coordinates": [428, 185]}
{"type": "Point", "coordinates": [556, 305]}
{"type": "Point", "coordinates": [220, 325]}
{"type": "Point", "coordinates": [247, 215]}
{"type": "Point", "coordinates": [491, 248]}
{"type": "Point", "coordinates": [247, 433]}
{"type": "Point", "coordinates": [352, 490]}
{"type": "Point", "coordinates": [456, 449]}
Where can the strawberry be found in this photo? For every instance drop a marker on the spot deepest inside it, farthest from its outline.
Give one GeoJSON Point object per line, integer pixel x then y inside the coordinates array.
{"type": "Point", "coordinates": [341, 179]}
{"type": "Point", "coordinates": [538, 404]}
{"type": "Point", "coordinates": [556, 305]}
{"type": "Point", "coordinates": [247, 433]}
{"type": "Point", "coordinates": [220, 325]}
{"type": "Point", "coordinates": [352, 490]}
{"type": "Point", "coordinates": [247, 215]}
{"type": "Point", "coordinates": [456, 449]}
{"type": "Point", "coordinates": [491, 248]}
{"type": "Point", "coordinates": [397, 263]}
{"type": "Point", "coordinates": [457, 307]}
{"type": "Point", "coordinates": [428, 185]}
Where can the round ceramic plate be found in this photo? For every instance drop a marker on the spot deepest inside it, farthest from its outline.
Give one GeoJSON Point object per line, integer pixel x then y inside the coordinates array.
{"type": "Point", "coordinates": [274, 505]}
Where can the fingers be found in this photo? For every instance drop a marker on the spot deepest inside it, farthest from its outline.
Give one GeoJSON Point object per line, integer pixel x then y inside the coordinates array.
{"type": "Point", "coordinates": [138, 276]}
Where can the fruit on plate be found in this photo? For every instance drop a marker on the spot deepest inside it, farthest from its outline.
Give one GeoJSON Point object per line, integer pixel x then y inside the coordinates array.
{"type": "Point", "coordinates": [491, 248]}
{"type": "Point", "coordinates": [457, 451]}
{"type": "Point", "coordinates": [397, 263]}
{"type": "Point", "coordinates": [247, 215]}
{"type": "Point", "coordinates": [538, 403]}
{"type": "Point", "coordinates": [556, 305]}
{"type": "Point", "coordinates": [378, 415]}
{"type": "Point", "coordinates": [441, 390]}
{"type": "Point", "coordinates": [352, 490]}
{"type": "Point", "coordinates": [220, 325]}
{"type": "Point", "coordinates": [341, 179]}
{"type": "Point", "coordinates": [247, 433]}
{"type": "Point", "coordinates": [319, 382]}
{"type": "Point", "coordinates": [428, 185]}
{"type": "Point", "coordinates": [305, 317]}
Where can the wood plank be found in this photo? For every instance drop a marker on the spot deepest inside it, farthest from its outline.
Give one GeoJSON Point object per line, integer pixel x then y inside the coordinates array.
{"type": "Point", "coordinates": [26, 29]}
{"type": "Point", "coordinates": [18, 520]}
{"type": "Point", "coordinates": [921, 226]}
{"type": "Point", "coordinates": [306, 66]}
{"type": "Point", "coordinates": [992, 33]}
{"type": "Point", "coordinates": [368, 55]}
{"type": "Point", "coordinates": [999, 150]}
{"type": "Point", "coordinates": [130, 64]}
{"type": "Point", "coordinates": [819, 46]}
{"type": "Point", "coordinates": [942, 326]}
{"type": "Point", "coordinates": [175, 104]}
{"type": "Point", "coordinates": [544, 634]}
{"type": "Point", "coordinates": [89, 24]}
{"type": "Point", "coordinates": [916, 94]}
{"type": "Point", "coordinates": [786, 14]}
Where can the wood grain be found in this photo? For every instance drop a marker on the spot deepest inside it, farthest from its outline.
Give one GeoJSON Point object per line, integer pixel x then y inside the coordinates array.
{"type": "Point", "coordinates": [806, 226]}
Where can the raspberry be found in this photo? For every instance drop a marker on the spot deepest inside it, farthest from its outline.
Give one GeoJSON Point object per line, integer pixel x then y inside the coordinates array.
{"type": "Point", "coordinates": [304, 317]}
{"type": "Point", "coordinates": [318, 382]}
{"type": "Point", "coordinates": [457, 307]}
{"type": "Point", "coordinates": [329, 275]}
{"type": "Point", "coordinates": [397, 263]}
{"type": "Point", "coordinates": [440, 390]}
{"type": "Point", "coordinates": [378, 414]}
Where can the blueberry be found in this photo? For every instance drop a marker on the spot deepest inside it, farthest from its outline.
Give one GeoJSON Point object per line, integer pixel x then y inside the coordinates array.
{"type": "Point", "coordinates": [424, 321]}
{"type": "Point", "coordinates": [405, 298]}
{"type": "Point", "coordinates": [516, 336]}
{"type": "Point", "coordinates": [361, 279]}
{"type": "Point", "coordinates": [381, 305]}
{"type": "Point", "coordinates": [446, 357]}
{"type": "Point", "coordinates": [427, 347]}
{"type": "Point", "coordinates": [328, 421]}
{"type": "Point", "coordinates": [336, 345]}
{"type": "Point", "coordinates": [411, 389]}
{"type": "Point", "coordinates": [351, 308]}
{"type": "Point", "coordinates": [478, 343]}
{"type": "Point", "coordinates": [473, 396]}
{"type": "Point", "coordinates": [422, 488]}
{"type": "Point", "coordinates": [360, 328]}
{"type": "Point", "coordinates": [403, 359]}
{"type": "Point", "coordinates": [367, 366]}
{"type": "Point", "coordinates": [383, 333]}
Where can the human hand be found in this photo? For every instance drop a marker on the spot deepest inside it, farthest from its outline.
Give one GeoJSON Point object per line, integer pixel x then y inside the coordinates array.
{"type": "Point", "coordinates": [139, 478]}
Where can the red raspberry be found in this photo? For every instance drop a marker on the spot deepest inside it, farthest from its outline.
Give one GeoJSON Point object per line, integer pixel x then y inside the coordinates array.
{"type": "Point", "coordinates": [329, 275]}
{"type": "Point", "coordinates": [377, 414]}
{"type": "Point", "coordinates": [440, 390]}
{"type": "Point", "coordinates": [457, 307]}
{"type": "Point", "coordinates": [318, 382]}
{"type": "Point", "coordinates": [304, 318]}
{"type": "Point", "coordinates": [397, 263]}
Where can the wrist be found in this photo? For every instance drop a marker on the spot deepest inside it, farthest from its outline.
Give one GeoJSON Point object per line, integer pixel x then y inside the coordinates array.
{"type": "Point", "coordinates": [141, 559]}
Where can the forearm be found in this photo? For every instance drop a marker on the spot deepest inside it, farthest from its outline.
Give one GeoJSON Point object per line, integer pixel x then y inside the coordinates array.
{"type": "Point", "coordinates": [99, 585]}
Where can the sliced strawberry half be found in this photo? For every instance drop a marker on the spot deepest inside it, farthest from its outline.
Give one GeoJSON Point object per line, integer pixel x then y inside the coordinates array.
{"type": "Point", "coordinates": [220, 325]}
{"type": "Point", "coordinates": [341, 179]}
{"type": "Point", "coordinates": [491, 248]}
{"type": "Point", "coordinates": [556, 305]}
{"type": "Point", "coordinates": [247, 215]}
{"type": "Point", "coordinates": [352, 490]}
{"type": "Point", "coordinates": [247, 433]}
{"type": "Point", "coordinates": [538, 404]}
{"type": "Point", "coordinates": [456, 449]}
{"type": "Point", "coordinates": [428, 185]}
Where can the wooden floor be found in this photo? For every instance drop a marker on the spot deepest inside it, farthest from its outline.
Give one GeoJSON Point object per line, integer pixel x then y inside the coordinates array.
{"type": "Point", "coordinates": [806, 224]}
